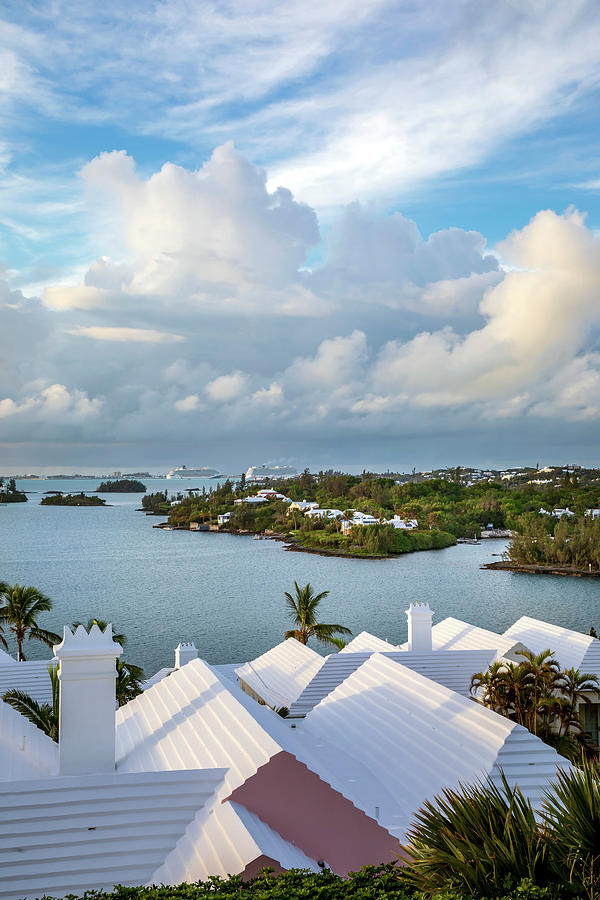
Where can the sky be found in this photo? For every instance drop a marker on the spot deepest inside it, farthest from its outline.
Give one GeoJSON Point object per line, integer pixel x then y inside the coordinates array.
{"type": "Point", "coordinates": [337, 235]}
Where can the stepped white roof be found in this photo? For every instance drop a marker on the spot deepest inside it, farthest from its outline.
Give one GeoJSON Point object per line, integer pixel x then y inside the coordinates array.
{"type": "Point", "coordinates": [453, 634]}
{"type": "Point", "coordinates": [365, 641]}
{"type": "Point", "coordinates": [25, 751]}
{"type": "Point", "coordinates": [571, 648]}
{"type": "Point", "coordinates": [417, 737]}
{"type": "Point", "coordinates": [71, 834]}
{"type": "Point", "coordinates": [280, 675]}
{"type": "Point", "coordinates": [450, 668]}
{"type": "Point", "coordinates": [30, 676]}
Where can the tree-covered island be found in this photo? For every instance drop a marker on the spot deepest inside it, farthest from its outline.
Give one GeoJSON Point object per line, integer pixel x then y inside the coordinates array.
{"type": "Point", "coordinates": [445, 510]}
{"type": "Point", "coordinates": [121, 486]}
{"type": "Point", "coordinates": [57, 498]}
{"type": "Point", "coordinates": [9, 492]}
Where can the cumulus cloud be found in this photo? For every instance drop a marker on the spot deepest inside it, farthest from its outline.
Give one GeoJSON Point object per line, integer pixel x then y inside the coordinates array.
{"type": "Point", "coordinates": [214, 239]}
{"type": "Point", "coordinates": [51, 401]}
{"type": "Point", "coordinates": [226, 388]}
{"type": "Point", "coordinates": [188, 404]}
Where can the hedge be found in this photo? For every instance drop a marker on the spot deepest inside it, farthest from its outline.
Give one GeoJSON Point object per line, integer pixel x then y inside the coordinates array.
{"type": "Point", "coordinates": [370, 882]}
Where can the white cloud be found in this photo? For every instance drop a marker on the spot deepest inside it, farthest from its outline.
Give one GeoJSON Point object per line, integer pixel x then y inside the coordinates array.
{"type": "Point", "coordinates": [53, 401]}
{"type": "Point", "coordinates": [226, 388]}
{"type": "Point", "coordinates": [188, 404]}
{"type": "Point", "coordinates": [126, 335]}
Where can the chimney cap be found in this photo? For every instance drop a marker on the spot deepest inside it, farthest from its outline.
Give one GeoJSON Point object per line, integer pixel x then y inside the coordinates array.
{"type": "Point", "coordinates": [81, 643]}
{"type": "Point", "coordinates": [418, 607]}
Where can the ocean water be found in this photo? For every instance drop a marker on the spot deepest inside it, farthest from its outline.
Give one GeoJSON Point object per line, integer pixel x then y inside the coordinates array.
{"type": "Point", "coordinates": [225, 592]}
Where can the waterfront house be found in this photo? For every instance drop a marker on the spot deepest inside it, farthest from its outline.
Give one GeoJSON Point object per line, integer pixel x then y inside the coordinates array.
{"type": "Point", "coordinates": [317, 513]}
{"type": "Point", "coordinates": [303, 505]}
{"type": "Point", "coordinates": [223, 518]}
{"type": "Point", "coordinates": [404, 524]}
{"type": "Point", "coordinates": [195, 778]}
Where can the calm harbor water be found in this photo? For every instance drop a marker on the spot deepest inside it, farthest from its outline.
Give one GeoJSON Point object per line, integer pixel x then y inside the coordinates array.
{"type": "Point", "coordinates": [224, 592]}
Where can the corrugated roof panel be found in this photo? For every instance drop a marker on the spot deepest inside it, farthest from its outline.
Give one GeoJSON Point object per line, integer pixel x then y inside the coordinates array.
{"type": "Point", "coordinates": [415, 736]}
{"type": "Point", "coordinates": [71, 834]}
{"type": "Point", "coordinates": [452, 668]}
{"type": "Point", "coordinates": [280, 675]}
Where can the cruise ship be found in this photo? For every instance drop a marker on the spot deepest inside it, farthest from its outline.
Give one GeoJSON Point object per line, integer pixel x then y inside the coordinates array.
{"type": "Point", "coordinates": [202, 472]}
{"type": "Point", "coordinates": [259, 473]}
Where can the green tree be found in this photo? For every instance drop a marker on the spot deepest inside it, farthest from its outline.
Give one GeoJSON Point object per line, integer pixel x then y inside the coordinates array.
{"type": "Point", "coordinates": [302, 607]}
{"type": "Point", "coordinates": [20, 611]}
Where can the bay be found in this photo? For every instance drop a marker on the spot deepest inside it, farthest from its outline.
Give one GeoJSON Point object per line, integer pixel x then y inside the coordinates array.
{"type": "Point", "coordinates": [225, 592]}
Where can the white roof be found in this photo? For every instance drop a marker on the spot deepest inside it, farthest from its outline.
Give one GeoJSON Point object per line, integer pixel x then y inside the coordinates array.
{"type": "Point", "coordinates": [71, 834]}
{"type": "Point", "coordinates": [572, 649]}
{"type": "Point", "coordinates": [453, 669]}
{"type": "Point", "coordinates": [25, 751]}
{"type": "Point", "coordinates": [280, 675]}
{"type": "Point", "coordinates": [30, 676]}
{"type": "Point", "coordinates": [193, 720]}
{"type": "Point", "coordinates": [435, 737]}
{"type": "Point", "coordinates": [453, 634]}
{"type": "Point", "coordinates": [6, 658]}
{"type": "Point", "coordinates": [365, 641]}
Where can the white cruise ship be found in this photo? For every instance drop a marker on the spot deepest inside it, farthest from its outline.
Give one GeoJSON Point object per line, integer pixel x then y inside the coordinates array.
{"type": "Point", "coordinates": [202, 472]}
{"type": "Point", "coordinates": [259, 473]}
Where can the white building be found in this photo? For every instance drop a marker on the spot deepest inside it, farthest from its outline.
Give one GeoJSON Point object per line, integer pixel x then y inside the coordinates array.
{"type": "Point", "coordinates": [303, 505]}
{"type": "Point", "coordinates": [324, 513]}
{"type": "Point", "coordinates": [404, 524]}
{"type": "Point", "coordinates": [194, 778]}
{"type": "Point", "coordinates": [223, 518]}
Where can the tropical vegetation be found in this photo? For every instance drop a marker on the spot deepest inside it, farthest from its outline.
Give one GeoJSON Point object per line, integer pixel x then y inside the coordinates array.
{"type": "Point", "coordinates": [121, 486]}
{"type": "Point", "coordinates": [9, 492]}
{"type": "Point", "coordinates": [570, 542]}
{"type": "Point", "coordinates": [445, 508]}
{"type": "Point", "coordinates": [20, 608]}
{"type": "Point", "coordinates": [57, 498]}
{"type": "Point", "coordinates": [477, 839]}
{"type": "Point", "coordinates": [370, 883]}
{"type": "Point", "coordinates": [542, 697]}
{"type": "Point", "coordinates": [303, 607]}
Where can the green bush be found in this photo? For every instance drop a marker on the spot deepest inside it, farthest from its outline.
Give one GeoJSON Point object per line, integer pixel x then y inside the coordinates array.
{"type": "Point", "coordinates": [372, 883]}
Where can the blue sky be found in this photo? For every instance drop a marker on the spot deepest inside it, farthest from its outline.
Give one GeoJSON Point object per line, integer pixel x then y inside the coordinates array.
{"type": "Point", "coordinates": [465, 119]}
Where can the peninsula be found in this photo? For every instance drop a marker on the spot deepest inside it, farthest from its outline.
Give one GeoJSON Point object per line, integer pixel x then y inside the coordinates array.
{"type": "Point", "coordinates": [9, 492]}
{"type": "Point", "coordinates": [377, 516]}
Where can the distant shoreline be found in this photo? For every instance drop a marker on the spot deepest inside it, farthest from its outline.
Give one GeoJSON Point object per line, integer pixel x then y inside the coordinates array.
{"type": "Point", "coordinates": [532, 569]}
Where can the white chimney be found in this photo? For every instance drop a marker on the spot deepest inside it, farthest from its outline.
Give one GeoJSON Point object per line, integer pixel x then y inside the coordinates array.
{"type": "Point", "coordinates": [184, 652]}
{"type": "Point", "coordinates": [87, 675]}
{"type": "Point", "coordinates": [419, 626]}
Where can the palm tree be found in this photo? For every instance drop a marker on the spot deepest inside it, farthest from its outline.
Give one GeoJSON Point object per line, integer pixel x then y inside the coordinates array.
{"type": "Point", "coordinates": [44, 715]}
{"type": "Point", "coordinates": [20, 613]}
{"type": "Point", "coordinates": [543, 674]}
{"type": "Point", "coordinates": [4, 589]}
{"type": "Point", "coordinates": [303, 610]}
{"type": "Point", "coordinates": [129, 681]}
{"type": "Point", "coordinates": [575, 687]}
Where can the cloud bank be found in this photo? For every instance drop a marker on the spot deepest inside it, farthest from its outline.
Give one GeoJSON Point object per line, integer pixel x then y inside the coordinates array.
{"type": "Point", "coordinates": [205, 319]}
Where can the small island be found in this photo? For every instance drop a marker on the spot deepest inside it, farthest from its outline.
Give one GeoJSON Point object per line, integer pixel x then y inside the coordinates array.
{"type": "Point", "coordinates": [57, 498]}
{"type": "Point", "coordinates": [121, 486]}
{"type": "Point", "coordinates": [9, 492]}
